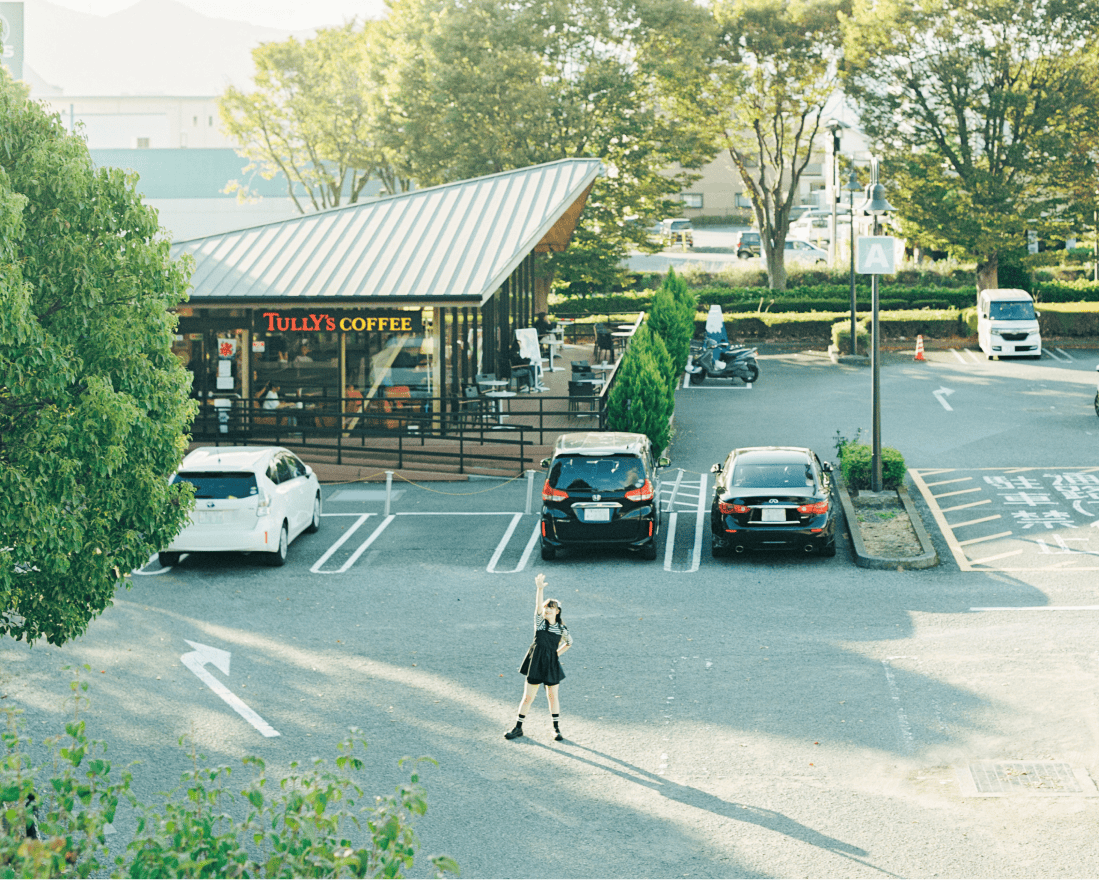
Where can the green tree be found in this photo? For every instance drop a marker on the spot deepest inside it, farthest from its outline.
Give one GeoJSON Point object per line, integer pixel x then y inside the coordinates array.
{"type": "Point", "coordinates": [642, 400]}
{"type": "Point", "coordinates": [313, 115]}
{"type": "Point", "coordinates": [980, 109]}
{"type": "Point", "coordinates": [671, 317]}
{"type": "Point", "coordinates": [479, 87]}
{"type": "Point", "coordinates": [316, 821]}
{"type": "Point", "coordinates": [753, 78]}
{"type": "Point", "coordinates": [94, 406]}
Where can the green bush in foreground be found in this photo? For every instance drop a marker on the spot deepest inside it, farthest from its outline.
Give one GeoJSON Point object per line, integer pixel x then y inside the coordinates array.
{"type": "Point", "coordinates": [316, 822]}
{"type": "Point", "coordinates": [855, 462]}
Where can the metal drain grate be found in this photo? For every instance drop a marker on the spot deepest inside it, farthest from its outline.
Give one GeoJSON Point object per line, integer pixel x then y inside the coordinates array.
{"type": "Point", "coordinates": [1003, 778]}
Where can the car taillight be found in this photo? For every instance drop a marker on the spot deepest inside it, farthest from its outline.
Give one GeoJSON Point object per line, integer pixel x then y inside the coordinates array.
{"type": "Point", "coordinates": [263, 504]}
{"type": "Point", "coordinates": [551, 494]}
{"type": "Point", "coordinates": [727, 508]}
{"type": "Point", "coordinates": [645, 493]}
{"type": "Point", "coordinates": [819, 507]}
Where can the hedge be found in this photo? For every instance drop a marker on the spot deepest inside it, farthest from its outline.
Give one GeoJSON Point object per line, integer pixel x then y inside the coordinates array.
{"type": "Point", "coordinates": [856, 466]}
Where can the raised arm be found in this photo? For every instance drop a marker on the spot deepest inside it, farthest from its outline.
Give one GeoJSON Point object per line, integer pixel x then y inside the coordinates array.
{"type": "Point", "coordinates": [540, 583]}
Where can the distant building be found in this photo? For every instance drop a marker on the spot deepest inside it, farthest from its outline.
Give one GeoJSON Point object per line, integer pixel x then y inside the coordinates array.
{"type": "Point", "coordinates": [183, 158]}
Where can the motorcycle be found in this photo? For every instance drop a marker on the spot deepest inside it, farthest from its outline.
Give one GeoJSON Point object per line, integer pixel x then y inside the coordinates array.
{"type": "Point", "coordinates": [719, 360]}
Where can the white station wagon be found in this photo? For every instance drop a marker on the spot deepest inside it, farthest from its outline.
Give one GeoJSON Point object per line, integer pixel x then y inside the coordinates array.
{"type": "Point", "coordinates": [251, 499]}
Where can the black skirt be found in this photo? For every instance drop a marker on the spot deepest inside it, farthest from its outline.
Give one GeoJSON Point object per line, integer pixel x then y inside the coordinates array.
{"type": "Point", "coordinates": [541, 665]}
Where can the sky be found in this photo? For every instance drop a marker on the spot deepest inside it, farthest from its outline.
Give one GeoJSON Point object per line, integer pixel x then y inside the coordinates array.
{"type": "Point", "coordinates": [290, 15]}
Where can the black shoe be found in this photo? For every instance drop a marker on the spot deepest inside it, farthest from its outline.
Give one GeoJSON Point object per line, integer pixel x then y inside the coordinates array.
{"type": "Point", "coordinates": [559, 738]}
{"type": "Point", "coordinates": [514, 733]}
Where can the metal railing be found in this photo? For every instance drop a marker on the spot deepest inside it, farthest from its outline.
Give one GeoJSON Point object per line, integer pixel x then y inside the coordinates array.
{"type": "Point", "coordinates": [462, 432]}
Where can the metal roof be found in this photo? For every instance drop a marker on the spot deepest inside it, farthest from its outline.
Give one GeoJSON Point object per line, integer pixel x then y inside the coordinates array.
{"type": "Point", "coordinates": [454, 244]}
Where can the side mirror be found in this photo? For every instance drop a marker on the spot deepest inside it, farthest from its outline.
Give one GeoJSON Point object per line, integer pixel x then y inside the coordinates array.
{"type": "Point", "coordinates": [663, 461]}
{"type": "Point", "coordinates": [545, 463]}
{"type": "Point", "coordinates": [826, 466]}
{"type": "Point", "coordinates": [716, 469]}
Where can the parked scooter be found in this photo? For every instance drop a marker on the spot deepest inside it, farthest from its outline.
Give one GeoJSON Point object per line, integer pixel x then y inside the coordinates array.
{"type": "Point", "coordinates": [721, 361]}
{"type": "Point", "coordinates": [713, 356]}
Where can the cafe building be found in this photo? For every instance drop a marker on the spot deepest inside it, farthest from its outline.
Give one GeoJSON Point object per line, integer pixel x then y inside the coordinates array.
{"type": "Point", "coordinates": [412, 294]}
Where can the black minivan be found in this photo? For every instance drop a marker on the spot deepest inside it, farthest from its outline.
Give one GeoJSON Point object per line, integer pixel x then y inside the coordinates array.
{"type": "Point", "coordinates": [603, 487]}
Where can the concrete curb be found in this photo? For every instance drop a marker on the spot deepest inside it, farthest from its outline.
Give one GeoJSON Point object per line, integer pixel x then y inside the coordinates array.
{"type": "Point", "coordinates": [929, 558]}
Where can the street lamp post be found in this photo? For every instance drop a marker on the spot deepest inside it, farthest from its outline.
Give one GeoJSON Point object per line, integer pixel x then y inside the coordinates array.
{"type": "Point", "coordinates": [852, 188]}
{"type": "Point", "coordinates": [874, 205]}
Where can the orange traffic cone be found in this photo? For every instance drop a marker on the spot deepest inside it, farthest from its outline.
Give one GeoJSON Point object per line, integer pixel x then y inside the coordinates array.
{"type": "Point", "coordinates": [919, 349]}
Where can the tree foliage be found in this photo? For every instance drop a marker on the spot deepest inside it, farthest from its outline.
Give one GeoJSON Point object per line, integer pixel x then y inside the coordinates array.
{"type": "Point", "coordinates": [316, 821]}
{"type": "Point", "coordinates": [313, 115]}
{"type": "Point", "coordinates": [672, 318]}
{"type": "Point", "coordinates": [94, 406]}
{"type": "Point", "coordinates": [642, 398]}
{"type": "Point", "coordinates": [753, 78]}
{"type": "Point", "coordinates": [986, 112]}
{"type": "Point", "coordinates": [479, 87]}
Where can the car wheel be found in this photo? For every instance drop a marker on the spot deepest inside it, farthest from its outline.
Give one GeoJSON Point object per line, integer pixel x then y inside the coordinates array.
{"type": "Point", "coordinates": [753, 372]}
{"type": "Point", "coordinates": [548, 553]}
{"type": "Point", "coordinates": [315, 523]}
{"type": "Point", "coordinates": [698, 378]}
{"type": "Point", "coordinates": [278, 557]}
{"type": "Point", "coordinates": [167, 560]}
{"type": "Point", "coordinates": [828, 548]}
{"type": "Point", "coordinates": [1097, 403]}
{"type": "Point", "coordinates": [717, 552]}
{"type": "Point", "coordinates": [648, 552]}
{"type": "Point", "coordinates": [744, 255]}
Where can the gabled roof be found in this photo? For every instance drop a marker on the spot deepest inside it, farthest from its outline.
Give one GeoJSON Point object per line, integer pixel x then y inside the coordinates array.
{"type": "Point", "coordinates": [448, 245]}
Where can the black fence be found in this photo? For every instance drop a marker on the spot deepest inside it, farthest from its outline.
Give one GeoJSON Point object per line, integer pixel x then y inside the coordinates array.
{"type": "Point", "coordinates": [497, 433]}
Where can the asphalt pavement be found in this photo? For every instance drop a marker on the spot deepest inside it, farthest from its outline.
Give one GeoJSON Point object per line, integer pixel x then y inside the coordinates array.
{"type": "Point", "coordinates": [773, 715]}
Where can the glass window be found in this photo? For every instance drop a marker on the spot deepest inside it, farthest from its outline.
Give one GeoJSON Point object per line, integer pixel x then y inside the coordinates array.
{"type": "Point", "coordinates": [286, 473]}
{"type": "Point", "coordinates": [615, 474]}
{"type": "Point", "coordinates": [1012, 311]}
{"type": "Point", "coordinates": [219, 484]}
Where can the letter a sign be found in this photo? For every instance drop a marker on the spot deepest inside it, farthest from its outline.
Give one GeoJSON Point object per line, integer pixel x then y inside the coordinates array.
{"type": "Point", "coordinates": [875, 255]}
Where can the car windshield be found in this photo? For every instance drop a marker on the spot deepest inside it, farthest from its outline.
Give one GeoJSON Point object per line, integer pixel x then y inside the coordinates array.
{"type": "Point", "coordinates": [681, 224]}
{"type": "Point", "coordinates": [219, 484]}
{"type": "Point", "coordinates": [772, 476]}
{"type": "Point", "coordinates": [614, 474]}
{"type": "Point", "coordinates": [1012, 311]}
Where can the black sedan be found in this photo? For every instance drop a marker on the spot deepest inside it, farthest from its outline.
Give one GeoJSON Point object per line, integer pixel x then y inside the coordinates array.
{"type": "Point", "coordinates": [773, 496]}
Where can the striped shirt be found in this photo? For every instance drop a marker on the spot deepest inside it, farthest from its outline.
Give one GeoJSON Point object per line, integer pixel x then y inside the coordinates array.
{"type": "Point", "coordinates": [563, 631]}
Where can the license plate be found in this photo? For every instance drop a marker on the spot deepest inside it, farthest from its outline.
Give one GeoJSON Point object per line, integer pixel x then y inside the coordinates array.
{"type": "Point", "coordinates": [597, 514]}
{"type": "Point", "coordinates": [207, 517]}
{"type": "Point", "coordinates": [772, 514]}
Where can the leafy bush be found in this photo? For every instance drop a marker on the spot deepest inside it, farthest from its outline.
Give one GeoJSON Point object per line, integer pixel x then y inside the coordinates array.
{"type": "Point", "coordinates": [642, 398]}
{"type": "Point", "coordinates": [856, 465]}
{"type": "Point", "coordinates": [1069, 319]}
{"type": "Point", "coordinates": [841, 336]}
{"type": "Point", "coordinates": [1048, 291]}
{"type": "Point", "coordinates": [316, 822]}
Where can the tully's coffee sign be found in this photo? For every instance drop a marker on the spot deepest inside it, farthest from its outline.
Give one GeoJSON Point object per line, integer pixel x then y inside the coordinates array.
{"type": "Point", "coordinates": [348, 321]}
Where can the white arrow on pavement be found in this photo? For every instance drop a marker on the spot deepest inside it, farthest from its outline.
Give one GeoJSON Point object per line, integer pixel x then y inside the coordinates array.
{"type": "Point", "coordinates": [196, 661]}
{"type": "Point", "coordinates": [941, 395]}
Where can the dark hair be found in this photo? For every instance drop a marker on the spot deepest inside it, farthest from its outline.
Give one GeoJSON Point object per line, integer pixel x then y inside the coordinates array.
{"type": "Point", "coordinates": [555, 604]}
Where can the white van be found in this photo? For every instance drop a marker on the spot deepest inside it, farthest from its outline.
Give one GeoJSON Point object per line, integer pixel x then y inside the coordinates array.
{"type": "Point", "coordinates": [1007, 324]}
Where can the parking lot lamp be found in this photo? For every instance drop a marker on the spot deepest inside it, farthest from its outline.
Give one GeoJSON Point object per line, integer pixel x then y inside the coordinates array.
{"type": "Point", "coordinates": [852, 188]}
{"type": "Point", "coordinates": [874, 205]}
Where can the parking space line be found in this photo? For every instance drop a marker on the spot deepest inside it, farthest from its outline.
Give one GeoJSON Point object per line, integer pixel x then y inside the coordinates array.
{"type": "Point", "coordinates": [975, 355]}
{"type": "Point", "coordinates": [502, 546]}
{"type": "Point", "coordinates": [940, 520]}
{"type": "Point", "coordinates": [316, 569]}
{"type": "Point", "coordinates": [673, 520]}
{"type": "Point", "coordinates": [961, 359]}
{"type": "Point", "coordinates": [955, 480]}
{"type": "Point", "coordinates": [983, 539]}
{"type": "Point", "coordinates": [987, 559]}
{"type": "Point", "coordinates": [964, 506]}
{"type": "Point", "coordinates": [958, 492]}
{"type": "Point", "coordinates": [902, 717]}
{"type": "Point", "coordinates": [973, 522]}
{"type": "Point", "coordinates": [1061, 354]}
